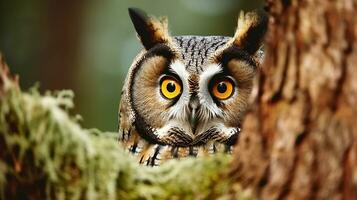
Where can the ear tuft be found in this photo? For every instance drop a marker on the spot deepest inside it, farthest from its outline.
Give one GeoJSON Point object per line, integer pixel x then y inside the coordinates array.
{"type": "Point", "coordinates": [251, 30]}
{"type": "Point", "coordinates": [150, 30]}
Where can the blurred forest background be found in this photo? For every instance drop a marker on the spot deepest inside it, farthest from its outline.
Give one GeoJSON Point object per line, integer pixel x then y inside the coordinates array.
{"type": "Point", "coordinates": [88, 46]}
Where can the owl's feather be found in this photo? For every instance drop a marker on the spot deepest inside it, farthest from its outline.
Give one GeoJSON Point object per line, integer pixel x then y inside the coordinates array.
{"type": "Point", "coordinates": [250, 30]}
{"type": "Point", "coordinates": [150, 30]}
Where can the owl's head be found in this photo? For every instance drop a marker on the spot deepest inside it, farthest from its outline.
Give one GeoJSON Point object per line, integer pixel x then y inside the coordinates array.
{"type": "Point", "coordinates": [186, 91]}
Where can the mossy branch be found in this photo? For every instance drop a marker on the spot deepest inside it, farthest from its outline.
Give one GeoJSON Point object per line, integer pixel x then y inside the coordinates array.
{"type": "Point", "coordinates": [45, 153]}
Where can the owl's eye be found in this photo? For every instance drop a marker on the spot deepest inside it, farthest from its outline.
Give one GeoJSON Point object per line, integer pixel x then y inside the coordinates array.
{"type": "Point", "coordinates": [222, 88]}
{"type": "Point", "coordinates": [170, 87]}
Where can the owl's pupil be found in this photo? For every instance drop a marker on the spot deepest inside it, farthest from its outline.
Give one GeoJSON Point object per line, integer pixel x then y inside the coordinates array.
{"type": "Point", "coordinates": [222, 87]}
{"type": "Point", "coordinates": [171, 87]}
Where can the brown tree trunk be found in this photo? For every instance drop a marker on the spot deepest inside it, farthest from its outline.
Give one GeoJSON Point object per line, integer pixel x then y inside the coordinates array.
{"type": "Point", "coordinates": [60, 60]}
{"type": "Point", "coordinates": [299, 139]}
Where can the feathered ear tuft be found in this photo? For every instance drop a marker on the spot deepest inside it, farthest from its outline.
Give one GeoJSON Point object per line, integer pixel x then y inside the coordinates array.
{"type": "Point", "coordinates": [150, 30]}
{"type": "Point", "coordinates": [251, 30]}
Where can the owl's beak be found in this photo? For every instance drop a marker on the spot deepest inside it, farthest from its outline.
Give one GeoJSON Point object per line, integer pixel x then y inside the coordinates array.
{"type": "Point", "coordinates": [194, 105]}
{"type": "Point", "coordinates": [193, 119]}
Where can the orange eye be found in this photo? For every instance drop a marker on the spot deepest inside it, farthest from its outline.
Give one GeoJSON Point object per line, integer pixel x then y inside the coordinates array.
{"type": "Point", "coordinates": [170, 87]}
{"type": "Point", "coordinates": [222, 89]}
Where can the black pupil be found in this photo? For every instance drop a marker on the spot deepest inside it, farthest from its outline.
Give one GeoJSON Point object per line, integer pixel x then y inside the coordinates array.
{"type": "Point", "coordinates": [221, 87]}
{"type": "Point", "coordinates": [171, 87]}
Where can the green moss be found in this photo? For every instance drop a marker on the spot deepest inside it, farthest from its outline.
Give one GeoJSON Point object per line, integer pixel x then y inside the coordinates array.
{"type": "Point", "coordinates": [45, 153]}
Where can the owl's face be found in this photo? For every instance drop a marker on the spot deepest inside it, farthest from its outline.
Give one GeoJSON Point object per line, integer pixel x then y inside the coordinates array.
{"type": "Point", "coordinates": [191, 91]}
{"type": "Point", "coordinates": [188, 91]}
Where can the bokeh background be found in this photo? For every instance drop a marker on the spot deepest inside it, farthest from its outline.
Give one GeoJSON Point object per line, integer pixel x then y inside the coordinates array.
{"type": "Point", "coordinates": [88, 46]}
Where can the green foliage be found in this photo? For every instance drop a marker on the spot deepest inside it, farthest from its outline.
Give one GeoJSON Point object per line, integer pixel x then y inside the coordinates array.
{"type": "Point", "coordinates": [45, 153]}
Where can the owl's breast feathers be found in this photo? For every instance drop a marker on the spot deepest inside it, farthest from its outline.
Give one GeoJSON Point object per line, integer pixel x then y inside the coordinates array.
{"type": "Point", "coordinates": [152, 154]}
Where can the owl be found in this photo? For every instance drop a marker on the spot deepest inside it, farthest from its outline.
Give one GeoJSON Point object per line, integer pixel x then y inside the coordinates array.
{"type": "Point", "coordinates": [186, 95]}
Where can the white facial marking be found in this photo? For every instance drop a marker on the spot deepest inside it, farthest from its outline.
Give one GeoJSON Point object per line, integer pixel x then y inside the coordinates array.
{"type": "Point", "coordinates": [180, 110]}
{"type": "Point", "coordinates": [209, 109]}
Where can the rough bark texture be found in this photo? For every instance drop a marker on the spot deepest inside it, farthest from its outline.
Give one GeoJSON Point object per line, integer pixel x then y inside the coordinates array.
{"type": "Point", "coordinates": [299, 139]}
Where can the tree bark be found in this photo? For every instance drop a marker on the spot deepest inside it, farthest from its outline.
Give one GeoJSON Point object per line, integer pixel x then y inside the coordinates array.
{"type": "Point", "coordinates": [299, 138]}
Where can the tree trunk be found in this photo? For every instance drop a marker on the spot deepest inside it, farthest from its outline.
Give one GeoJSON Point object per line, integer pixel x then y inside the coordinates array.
{"type": "Point", "coordinates": [299, 138]}
{"type": "Point", "coordinates": [60, 61]}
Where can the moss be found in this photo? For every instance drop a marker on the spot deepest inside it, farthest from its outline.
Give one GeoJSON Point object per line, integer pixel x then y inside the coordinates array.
{"type": "Point", "coordinates": [45, 153]}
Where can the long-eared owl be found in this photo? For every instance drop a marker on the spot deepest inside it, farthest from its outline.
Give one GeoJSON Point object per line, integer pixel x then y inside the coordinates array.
{"type": "Point", "coordinates": [186, 95]}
